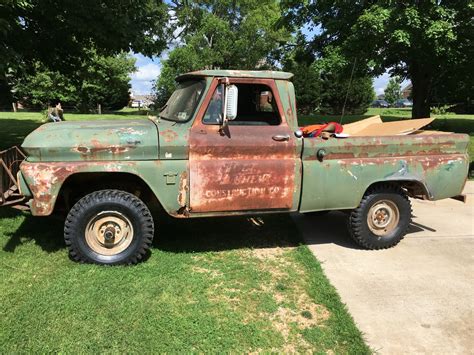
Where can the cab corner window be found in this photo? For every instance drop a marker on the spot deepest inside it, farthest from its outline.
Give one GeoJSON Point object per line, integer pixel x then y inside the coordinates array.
{"type": "Point", "coordinates": [256, 106]}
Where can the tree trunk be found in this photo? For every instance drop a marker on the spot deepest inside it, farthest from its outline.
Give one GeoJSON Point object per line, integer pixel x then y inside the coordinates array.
{"type": "Point", "coordinates": [421, 87]}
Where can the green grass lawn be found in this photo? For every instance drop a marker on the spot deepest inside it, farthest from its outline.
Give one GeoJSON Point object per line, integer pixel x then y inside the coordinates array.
{"type": "Point", "coordinates": [209, 285]}
{"type": "Point", "coordinates": [220, 285]}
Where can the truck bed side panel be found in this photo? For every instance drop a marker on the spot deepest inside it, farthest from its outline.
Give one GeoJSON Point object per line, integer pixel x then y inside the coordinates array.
{"type": "Point", "coordinates": [439, 162]}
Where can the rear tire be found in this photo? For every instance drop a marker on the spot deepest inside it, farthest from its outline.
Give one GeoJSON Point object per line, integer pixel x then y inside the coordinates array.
{"type": "Point", "coordinates": [382, 219]}
{"type": "Point", "coordinates": [109, 227]}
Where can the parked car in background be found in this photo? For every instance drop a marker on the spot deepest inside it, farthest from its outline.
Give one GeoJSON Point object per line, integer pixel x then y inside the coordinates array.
{"type": "Point", "coordinates": [402, 103]}
{"type": "Point", "coordinates": [380, 103]}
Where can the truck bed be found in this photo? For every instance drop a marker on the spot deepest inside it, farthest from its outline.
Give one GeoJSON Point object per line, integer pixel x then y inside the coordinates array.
{"type": "Point", "coordinates": [337, 171]}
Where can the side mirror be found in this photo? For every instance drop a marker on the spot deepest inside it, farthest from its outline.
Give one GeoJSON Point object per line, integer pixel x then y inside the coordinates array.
{"type": "Point", "coordinates": [231, 95]}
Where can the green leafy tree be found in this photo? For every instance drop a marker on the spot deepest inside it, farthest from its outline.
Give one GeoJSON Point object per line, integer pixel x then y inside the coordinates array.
{"type": "Point", "coordinates": [40, 89]}
{"type": "Point", "coordinates": [221, 34]}
{"type": "Point", "coordinates": [308, 86]}
{"type": "Point", "coordinates": [105, 81]}
{"type": "Point", "coordinates": [323, 84]}
{"type": "Point", "coordinates": [306, 79]}
{"type": "Point", "coordinates": [359, 91]}
{"type": "Point", "coordinates": [393, 91]}
{"type": "Point", "coordinates": [455, 90]}
{"type": "Point", "coordinates": [419, 40]}
{"type": "Point", "coordinates": [59, 34]}
{"type": "Point", "coordinates": [99, 80]}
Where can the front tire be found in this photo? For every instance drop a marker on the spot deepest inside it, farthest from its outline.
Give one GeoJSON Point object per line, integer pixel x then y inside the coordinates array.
{"type": "Point", "coordinates": [382, 219]}
{"type": "Point", "coordinates": [109, 227]}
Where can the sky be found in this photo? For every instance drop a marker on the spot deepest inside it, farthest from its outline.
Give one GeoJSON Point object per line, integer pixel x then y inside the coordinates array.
{"type": "Point", "coordinates": [148, 70]}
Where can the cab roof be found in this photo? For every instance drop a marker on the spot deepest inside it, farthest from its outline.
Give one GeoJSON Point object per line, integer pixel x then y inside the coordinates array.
{"type": "Point", "coordinates": [260, 74]}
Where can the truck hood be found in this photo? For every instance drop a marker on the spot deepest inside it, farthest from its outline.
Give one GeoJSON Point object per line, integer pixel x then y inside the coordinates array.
{"type": "Point", "coordinates": [93, 140]}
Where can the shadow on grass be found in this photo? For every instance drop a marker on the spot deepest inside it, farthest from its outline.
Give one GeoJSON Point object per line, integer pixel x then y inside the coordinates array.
{"type": "Point", "coordinates": [172, 235]}
{"type": "Point", "coordinates": [207, 234]}
{"type": "Point", "coordinates": [226, 233]}
{"type": "Point", "coordinates": [454, 125]}
{"type": "Point", "coordinates": [13, 131]}
{"type": "Point", "coordinates": [46, 232]}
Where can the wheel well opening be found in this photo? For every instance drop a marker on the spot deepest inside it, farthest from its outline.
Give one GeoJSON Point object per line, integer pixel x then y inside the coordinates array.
{"type": "Point", "coordinates": [413, 188]}
{"type": "Point", "coordinates": [79, 185]}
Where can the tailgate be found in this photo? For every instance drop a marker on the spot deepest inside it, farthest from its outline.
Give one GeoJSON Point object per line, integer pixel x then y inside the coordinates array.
{"type": "Point", "coordinates": [10, 161]}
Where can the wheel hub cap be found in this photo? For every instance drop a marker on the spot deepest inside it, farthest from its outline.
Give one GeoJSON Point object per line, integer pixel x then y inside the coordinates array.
{"type": "Point", "coordinates": [109, 233]}
{"type": "Point", "coordinates": [383, 217]}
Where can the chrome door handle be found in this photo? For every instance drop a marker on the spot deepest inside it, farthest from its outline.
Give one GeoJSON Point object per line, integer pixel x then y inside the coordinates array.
{"type": "Point", "coordinates": [281, 137]}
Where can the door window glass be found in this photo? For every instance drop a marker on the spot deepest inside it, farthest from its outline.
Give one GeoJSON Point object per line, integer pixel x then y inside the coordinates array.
{"type": "Point", "coordinates": [214, 110]}
{"type": "Point", "coordinates": [256, 106]}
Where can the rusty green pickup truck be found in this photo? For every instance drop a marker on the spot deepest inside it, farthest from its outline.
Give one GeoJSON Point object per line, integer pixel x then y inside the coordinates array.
{"type": "Point", "coordinates": [226, 143]}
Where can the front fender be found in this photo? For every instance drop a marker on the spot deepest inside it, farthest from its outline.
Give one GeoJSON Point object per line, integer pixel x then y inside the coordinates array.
{"type": "Point", "coordinates": [45, 180]}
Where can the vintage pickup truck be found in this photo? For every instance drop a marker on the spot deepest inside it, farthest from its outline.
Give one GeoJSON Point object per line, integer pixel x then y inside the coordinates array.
{"type": "Point", "coordinates": [226, 143]}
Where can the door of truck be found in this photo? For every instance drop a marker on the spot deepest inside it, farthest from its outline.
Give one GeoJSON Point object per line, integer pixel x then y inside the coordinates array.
{"type": "Point", "coordinates": [254, 164]}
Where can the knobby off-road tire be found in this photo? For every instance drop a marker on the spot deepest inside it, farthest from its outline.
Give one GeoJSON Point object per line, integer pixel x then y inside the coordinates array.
{"type": "Point", "coordinates": [382, 219]}
{"type": "Point", "coordinates": [109, 227]}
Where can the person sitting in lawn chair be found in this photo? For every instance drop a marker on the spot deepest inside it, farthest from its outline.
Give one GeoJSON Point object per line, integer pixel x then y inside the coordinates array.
{"type": "Point", "coordinates": [56, 114]}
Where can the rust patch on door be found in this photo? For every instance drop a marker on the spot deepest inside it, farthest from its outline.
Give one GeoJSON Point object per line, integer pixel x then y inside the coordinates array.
{"type": "Point", "coordinates": [247, 171]}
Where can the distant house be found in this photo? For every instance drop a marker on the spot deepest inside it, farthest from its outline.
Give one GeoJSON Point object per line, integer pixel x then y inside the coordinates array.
{"type": "Point", "coordinates": [381, 97]}
{"type": "Point", "coordinates": [139, 101]}
{"type": "Point", "coordinates": [406, 92]}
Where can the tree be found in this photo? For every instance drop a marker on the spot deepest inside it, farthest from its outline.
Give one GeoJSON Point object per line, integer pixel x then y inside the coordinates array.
{"type": "Point", "coordinates": [308, 86]}
{"type": "Point", "coordinates": [105, 80]}
{"type": "Point", "coordinates": [323, 84]}
{"type": "Point", "coordinates": [59, 33]}
{"type": "Point", "coordinates": [455, 90]}
{"type": "Point", "coordinates": [221, 34]}
{"type": "Point", "coordinates": [393, 91]}
{"type": "Point", "coordinates": [307, 77]}
{"type": "Point", "coordinates": [40, 89]}
{"type": "Point", "coordinates": [180, 60]}
{"type": "Point", "coordinates": [419, 40]}
{"type": "Point", "coordinates": [99, 80]}
{"type": "Point", "coordinates": [360, 94]}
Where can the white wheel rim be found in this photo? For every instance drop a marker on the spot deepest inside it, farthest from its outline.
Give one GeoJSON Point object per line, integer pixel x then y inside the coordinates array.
{"type": "Point", "coordinates": [109, 233]}
{"type": "Point", "coordinates": [383, 217]}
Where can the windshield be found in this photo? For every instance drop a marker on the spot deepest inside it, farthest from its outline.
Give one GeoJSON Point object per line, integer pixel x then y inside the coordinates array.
{"type": "Point", "coordinates": [182, 103]}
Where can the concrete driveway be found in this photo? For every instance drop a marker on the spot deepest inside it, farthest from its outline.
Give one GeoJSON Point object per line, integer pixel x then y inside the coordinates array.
{"type": "Point", "coordinates": [415, 298]}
